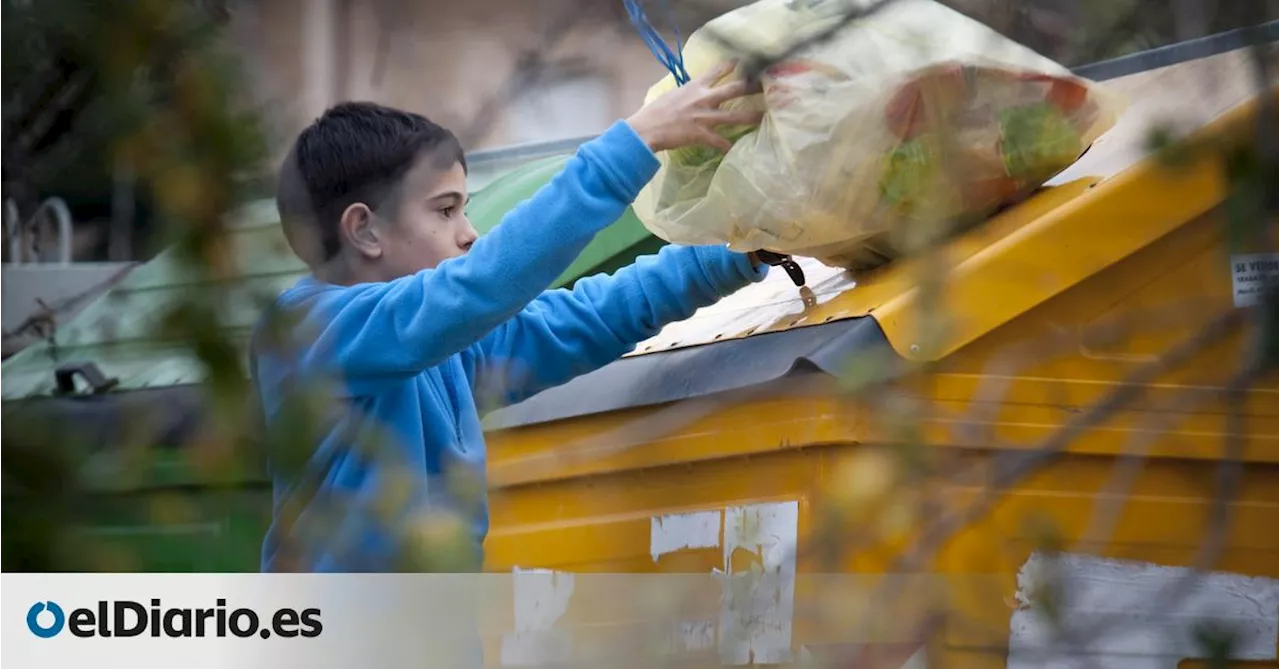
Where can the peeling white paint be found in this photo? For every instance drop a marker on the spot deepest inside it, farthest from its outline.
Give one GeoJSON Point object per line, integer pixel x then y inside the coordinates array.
{"type": "Point", "coordinates": [680, 531]}
{"type": "Point", "coordinates": [540, 598]}
{"type": "Point", "coordinates": [696, 636]}
{"type": "Point", "coordinates": [1151, 629]}
{"type": "Point", "coordinates": [758, 603]}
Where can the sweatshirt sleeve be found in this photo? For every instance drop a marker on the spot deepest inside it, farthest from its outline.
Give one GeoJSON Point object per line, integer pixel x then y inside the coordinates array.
{"type": "Point", "coordinates": [401, 327]}
{"type": "Point", "coordinates": [566, 333]}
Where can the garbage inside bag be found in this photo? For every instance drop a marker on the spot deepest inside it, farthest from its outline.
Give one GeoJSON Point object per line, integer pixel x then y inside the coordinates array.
{"type": "Point", "coordinates": [913, 117]}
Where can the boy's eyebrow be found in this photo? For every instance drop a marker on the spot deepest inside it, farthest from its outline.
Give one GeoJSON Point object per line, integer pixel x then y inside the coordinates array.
{"type": "Point", "coordinates": [454, 195]}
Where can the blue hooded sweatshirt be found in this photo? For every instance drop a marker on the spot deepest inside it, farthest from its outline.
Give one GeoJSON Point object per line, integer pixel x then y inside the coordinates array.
{"type": "Point", "coordinates": [410, 357]}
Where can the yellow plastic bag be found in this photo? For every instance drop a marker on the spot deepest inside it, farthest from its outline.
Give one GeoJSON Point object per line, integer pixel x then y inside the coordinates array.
{"type": "Point", "coordinates": [913, 114]}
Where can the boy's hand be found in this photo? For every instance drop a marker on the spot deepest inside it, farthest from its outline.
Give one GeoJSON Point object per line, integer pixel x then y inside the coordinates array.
{"type": "Point", "coordinates": [688, 115]}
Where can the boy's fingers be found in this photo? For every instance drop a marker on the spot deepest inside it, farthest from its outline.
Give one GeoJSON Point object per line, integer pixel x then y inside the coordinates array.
{"type": "Point", "coordinates": [729, 91]}
{"type": "Point", "coordinates": [716, 73]}
{"type": "Point", "coordinates": [738, 117]}
{"type": "Point", "coordinates": [714, 141]}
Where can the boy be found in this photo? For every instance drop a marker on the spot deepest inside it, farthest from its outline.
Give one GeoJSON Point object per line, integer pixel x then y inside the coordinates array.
{"type": "Point", "coordinates": [409, 316]}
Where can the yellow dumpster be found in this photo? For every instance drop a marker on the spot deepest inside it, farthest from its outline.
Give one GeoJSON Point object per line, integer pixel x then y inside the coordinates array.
{"type": "Point", "coordinates": [1081, 412]}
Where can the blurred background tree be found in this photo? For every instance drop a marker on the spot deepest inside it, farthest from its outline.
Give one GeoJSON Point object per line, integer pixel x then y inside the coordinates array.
{"type": "Point", "coordinates": [103, 96]}
{"type": "Point", "coordinates": [92, 89]}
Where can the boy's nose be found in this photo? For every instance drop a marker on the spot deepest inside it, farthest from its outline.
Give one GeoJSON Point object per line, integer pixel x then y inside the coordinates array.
{"type": "Point", "coordinates": [469, 236]}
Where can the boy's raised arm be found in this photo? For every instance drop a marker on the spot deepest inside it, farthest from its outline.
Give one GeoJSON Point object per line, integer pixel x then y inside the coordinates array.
{"type": "Point", "coordinates": [566, 333]}
{"type": "Point", "coordinates": [404, 326]}
{"type": "Point", "coordinates": [407, 325]}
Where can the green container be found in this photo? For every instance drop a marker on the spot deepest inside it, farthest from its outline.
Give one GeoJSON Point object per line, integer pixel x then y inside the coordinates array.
{"type": "Point", "coordinates": [615, 246]}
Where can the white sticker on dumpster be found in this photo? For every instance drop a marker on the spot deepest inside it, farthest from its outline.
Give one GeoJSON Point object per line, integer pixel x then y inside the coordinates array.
{"type": "Point", "coordinates": [1251, 273]}
{"type": "Point", "coordinates": [679, 531]}
{"type": "Point", "coordinates": [541, 598]}
{"type": "Point", "coordinates": [758, 546]}
{"type": "Point", "coordinates": [1156, 613]}
{"type": "Point", "coordinates": [755, 617]}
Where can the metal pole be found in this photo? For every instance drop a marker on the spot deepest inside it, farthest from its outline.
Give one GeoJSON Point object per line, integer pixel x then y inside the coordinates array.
{"type": "Point", "coordinates": [123, 209]}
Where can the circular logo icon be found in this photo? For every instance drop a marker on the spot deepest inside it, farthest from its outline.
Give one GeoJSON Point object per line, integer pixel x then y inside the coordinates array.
{"type": "Point", "coordinates": [41, 630]}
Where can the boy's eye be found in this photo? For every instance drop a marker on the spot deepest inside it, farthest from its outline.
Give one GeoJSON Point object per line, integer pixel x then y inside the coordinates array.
{"type": "Point", "coordinates": [447, 212]}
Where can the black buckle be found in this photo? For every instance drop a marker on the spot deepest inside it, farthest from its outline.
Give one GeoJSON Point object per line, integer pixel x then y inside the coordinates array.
{"type": "Point", "coordinates": [776, 259]}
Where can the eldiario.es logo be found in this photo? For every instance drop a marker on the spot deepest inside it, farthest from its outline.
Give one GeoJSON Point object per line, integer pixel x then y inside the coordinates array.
{"type": "Point", "coordinates": [125, 618]}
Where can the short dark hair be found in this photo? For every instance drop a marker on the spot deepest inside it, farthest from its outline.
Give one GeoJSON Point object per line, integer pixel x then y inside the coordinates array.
{"type": "Point", "coordinates": [355, 152]}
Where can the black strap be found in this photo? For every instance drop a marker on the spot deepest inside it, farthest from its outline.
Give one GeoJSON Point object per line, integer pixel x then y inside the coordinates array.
{"type": "Point", "coordinates": [776, 259]}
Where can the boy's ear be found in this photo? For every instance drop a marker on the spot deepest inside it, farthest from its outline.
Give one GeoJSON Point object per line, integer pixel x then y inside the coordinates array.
{"type": "Point", "coordinates": [358, 230]}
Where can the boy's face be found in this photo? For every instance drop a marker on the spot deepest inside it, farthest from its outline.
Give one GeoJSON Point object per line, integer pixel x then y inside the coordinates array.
{"type": "Point", "coordinates": [427, 226]}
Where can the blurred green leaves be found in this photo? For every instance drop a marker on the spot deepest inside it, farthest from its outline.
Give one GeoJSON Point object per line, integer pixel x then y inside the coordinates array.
{"type": "Point", "coordinates": [88, 87]}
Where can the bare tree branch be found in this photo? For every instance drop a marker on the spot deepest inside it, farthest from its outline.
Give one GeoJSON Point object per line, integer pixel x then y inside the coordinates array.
{"type": "Point", "coordinates": [531, 69]}
{"type": "Point", "coordinates": [1021, 465]}
{"type": "Point", "coordinates": [44, 322]}
{"type": "Point", "coordinates": [754, 62]}
{"type": "Point", "coordinates": [389, 21]}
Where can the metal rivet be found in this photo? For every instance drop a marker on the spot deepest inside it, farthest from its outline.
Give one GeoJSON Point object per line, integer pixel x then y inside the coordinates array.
{"type": "Point", "coordinates": [915, 348]}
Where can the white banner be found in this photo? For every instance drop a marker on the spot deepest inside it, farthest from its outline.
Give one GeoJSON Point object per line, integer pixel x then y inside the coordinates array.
{"type": "Point", "coordinates": [530, 618]}
{"type": "Point", "coordinates": [756, 614]}
{"type": "Point", "coordinates": [242, 621]}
